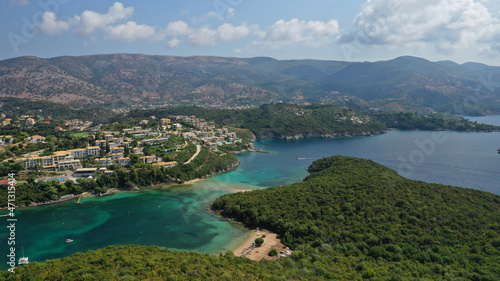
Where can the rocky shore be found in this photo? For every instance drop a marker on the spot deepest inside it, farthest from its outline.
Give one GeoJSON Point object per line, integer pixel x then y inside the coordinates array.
{"type": "Point", "coordinates": [272, 135]}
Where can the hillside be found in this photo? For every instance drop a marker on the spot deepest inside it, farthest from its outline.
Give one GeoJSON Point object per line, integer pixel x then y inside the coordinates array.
{"type": "Point", "coordinates": [350, 219]}
{"type": "Point", "coordinates": [16, 107]}
{"type": "Point", "coordinates": [286, 121]}
{"type": "Point", "coordinates": [120, 80]}
{"type": "Point", "coordinates": [350, 208]}
{"type": "Point", "coordinates": [279, 121]}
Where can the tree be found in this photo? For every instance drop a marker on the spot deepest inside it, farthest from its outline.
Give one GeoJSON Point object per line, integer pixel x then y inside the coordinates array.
{"type": "Point", "coordinates": [259, 241]}
{"type": "Point", "coordinates": [135, 159]}
{"type": "Point", "coordinates": [18, 166]}
{"type": "Point", "coordinates": [273, 253]}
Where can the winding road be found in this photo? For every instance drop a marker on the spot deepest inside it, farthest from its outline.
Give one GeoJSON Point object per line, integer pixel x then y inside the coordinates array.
{"type": "Point", "coordinates": [198, 149]}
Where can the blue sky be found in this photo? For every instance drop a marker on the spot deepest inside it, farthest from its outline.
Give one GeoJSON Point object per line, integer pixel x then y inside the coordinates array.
{"type": "Point", "coordinates": [356, 30]}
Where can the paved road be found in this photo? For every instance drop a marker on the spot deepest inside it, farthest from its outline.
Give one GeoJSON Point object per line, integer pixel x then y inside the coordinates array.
{"type": "Point", "coordinates": [198, 149]}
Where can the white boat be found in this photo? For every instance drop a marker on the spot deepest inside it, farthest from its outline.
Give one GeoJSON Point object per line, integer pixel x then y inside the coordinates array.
{"type": "Point", "coordinates": [69, 240]}
{"type": "Point", "coordinates": [23, 260]}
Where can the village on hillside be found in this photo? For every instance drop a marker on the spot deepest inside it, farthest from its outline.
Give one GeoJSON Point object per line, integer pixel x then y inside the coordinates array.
{"type": "Point", "coordinates": [108, 149]}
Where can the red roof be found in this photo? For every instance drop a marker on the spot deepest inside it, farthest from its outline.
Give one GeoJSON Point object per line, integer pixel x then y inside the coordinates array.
{"type": "Point", "coordinates": [4, 182]}
{"type": "Point", "coordinates": [46, 122]}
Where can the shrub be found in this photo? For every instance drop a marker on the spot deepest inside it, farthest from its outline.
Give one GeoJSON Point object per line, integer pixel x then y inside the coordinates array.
{"type": "Point", "coordinates": [259, 241]}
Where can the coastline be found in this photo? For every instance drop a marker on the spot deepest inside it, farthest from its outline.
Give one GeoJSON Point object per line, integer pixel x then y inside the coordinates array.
{"type": "Point", "coordinates": [271, 241]}
{"type": "Point", "coordinates": [116, 190]}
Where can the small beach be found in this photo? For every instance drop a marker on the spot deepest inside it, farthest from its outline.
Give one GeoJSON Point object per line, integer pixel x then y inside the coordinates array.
{"type": "Point", "coordinates": [247, 248]}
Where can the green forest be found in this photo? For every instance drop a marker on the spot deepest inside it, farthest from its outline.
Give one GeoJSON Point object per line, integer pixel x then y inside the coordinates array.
{"type": "Point", "coordinates": [280, 120]}
{"type": "Point", "coordinates": [350, 219]}
{"type": "Point", "coordinates": [430, 122]}
{"type": "Point", "coordinates": [15, 107]}
{"type": "Point", "coordinates": [398, 228]}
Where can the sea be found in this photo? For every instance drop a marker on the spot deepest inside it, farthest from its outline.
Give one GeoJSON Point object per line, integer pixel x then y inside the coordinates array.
{"type": "Point", "coordinates": [178, 217]}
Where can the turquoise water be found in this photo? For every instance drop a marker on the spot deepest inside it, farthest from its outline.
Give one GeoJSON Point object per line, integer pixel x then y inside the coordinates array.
{"type": "Point", "coordinates": [176, 217]}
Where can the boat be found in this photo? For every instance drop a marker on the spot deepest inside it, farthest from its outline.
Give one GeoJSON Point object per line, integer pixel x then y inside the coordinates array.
{"type": "Point", "coordinates": [23, 260]}
{"type": "Point", "coordinates": [69, 240]}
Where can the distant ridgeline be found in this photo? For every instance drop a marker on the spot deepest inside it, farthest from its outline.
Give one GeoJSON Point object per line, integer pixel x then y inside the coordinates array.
{"type": "Point", "coordinates": [350, 219]}
{"type": "Point", "coordinates": [123, 80]}
{"type": "Point", "coordinates": [287, 121]}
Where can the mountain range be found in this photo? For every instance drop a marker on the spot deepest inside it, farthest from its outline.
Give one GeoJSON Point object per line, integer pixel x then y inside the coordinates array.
{"type": "Point", "coordinates": [119, 80]}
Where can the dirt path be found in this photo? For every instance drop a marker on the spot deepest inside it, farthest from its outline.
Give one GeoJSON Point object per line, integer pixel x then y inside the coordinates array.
{"type": "Point", "coordinates": [198, 149]}
{"type": "Point", "coordinates": [271, 241]}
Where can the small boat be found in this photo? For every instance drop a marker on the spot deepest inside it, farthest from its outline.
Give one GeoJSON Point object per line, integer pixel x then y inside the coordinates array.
{"type": "Point", "coordinates": [23, 260]}
{"type": "Point", "coordinates": [69, 240]}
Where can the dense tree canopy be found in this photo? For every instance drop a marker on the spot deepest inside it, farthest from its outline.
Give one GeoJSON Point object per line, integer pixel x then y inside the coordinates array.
{"type": "Point", "coordinates": [364, 210]}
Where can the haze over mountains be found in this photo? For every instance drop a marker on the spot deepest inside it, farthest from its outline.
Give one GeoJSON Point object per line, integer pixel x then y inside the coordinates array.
{"type": "Point", "coordinates": [115, 80]}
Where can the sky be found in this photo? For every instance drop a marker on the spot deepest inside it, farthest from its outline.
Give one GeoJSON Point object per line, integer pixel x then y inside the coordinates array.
{"type": "Point", "coordinates": [346, 30]}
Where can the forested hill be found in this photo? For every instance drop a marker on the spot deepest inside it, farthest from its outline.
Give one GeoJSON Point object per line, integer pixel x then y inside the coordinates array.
{"type": "Point", "coordinates": [278, 120]}
{"type": "Point", "coordinates": [387, 226]}
{"type": "Point", "coordinates": [117, 80]}
{"type": "Point", "coordinates": [289, 121]}
{"type": "Point", "coordinates": [350, 219]}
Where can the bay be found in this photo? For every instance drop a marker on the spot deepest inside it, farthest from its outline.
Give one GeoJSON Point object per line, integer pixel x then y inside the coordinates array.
{"type": "Point", "coordinates": [176, 217]}
{"type": "Point", "coordinates": [490, 119]}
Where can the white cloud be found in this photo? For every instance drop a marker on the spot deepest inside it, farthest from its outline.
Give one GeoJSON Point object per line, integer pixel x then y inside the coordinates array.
{"type": "Point", "coordinates": [312, 33]}
{"type": "Point", "coordinates": [90, 21]}
{"type": "Point", "coordinates": [229, 32]}
{"type": "Point", "coordinates": [130, 32]}
{"type": "Point", "coordinates": [203, 36]}
{"type": "Point", "coordinates": [179, 27]}
{"type": "Point", "coordinates": [51, 25]}
{"type": "Point", "coordinates": [206, 17]}
{"type": "Point", "coordinates": [231, 12]}
{"type": "Point", "coordinates": [224, 33]}
{"type": "Point", "coordinates": [173, 43]}
{"type": "Point", "coordinates": [445, 25]}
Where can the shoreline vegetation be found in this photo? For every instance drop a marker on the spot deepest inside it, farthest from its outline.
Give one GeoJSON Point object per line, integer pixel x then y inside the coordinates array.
{"type": "Point", "coordinates": [335, 215]}
{"type": "Point", "coordinates": [290, 121]}
{"type": "Point", "coordinates": [121, 189]}
{"type": "Point", "coordinates": [350, 219]}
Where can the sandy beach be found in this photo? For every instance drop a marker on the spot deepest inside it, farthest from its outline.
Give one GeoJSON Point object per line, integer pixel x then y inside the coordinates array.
{"type": "Point", "coordinates": [271, 241]}
{"type": "Point", "coordinates": [240, 190]}
{"type": "Point", "coordinates": [193, 181]}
